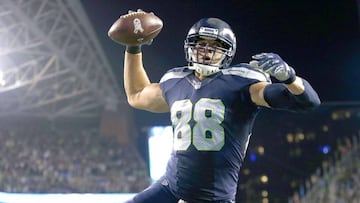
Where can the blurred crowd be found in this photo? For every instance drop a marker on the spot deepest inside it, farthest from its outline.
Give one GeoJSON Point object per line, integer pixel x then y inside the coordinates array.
{"type": "Point", "coordinates": [338, 182]}
{"type": "Point", "coordinates": [44, 160]}
{"type": "Point", "coordinates": [77, 161]}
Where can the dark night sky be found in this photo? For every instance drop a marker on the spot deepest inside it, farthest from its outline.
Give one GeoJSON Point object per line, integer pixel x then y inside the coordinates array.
{"type": "Point", "coordinates": [320, 39]}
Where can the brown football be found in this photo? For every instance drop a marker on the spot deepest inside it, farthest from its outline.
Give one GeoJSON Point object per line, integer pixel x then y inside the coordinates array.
{"type": "Point", "coordinates": [135, 28]}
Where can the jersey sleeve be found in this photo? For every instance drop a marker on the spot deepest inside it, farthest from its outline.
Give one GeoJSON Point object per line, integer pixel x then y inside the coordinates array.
{"type": "Point", "coordinates": [171, 78]}
{"type": "Point", "coordinates": [243, 76]}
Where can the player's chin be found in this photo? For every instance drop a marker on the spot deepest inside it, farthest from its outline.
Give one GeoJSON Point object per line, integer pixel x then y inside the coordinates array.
{"type": "Point", "coordinates": [205, 61]}
{"type": "Point", "coordinates": [210, 62]}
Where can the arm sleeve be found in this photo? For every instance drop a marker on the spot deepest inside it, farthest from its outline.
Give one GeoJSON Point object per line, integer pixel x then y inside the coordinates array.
{"type": "Point", "coordinates": [279, 97]}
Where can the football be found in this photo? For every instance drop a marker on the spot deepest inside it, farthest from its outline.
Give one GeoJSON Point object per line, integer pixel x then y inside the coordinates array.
{"type": "Point", "coordinates": [135, 28]}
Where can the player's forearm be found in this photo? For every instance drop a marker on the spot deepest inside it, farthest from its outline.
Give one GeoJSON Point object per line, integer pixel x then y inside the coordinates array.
{"type": "Point", "coordinates": [297, 96]}
{"type": "Point", "coordinates": [296, 87]}
{"type": "Point", "coordinates": [135, 77]}
{"type": "Point", "coordinates": [303, 93]}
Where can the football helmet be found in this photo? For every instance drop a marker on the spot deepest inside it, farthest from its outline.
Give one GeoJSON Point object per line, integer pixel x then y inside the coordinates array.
{"type": "Point", "coordinates": [209, 29]}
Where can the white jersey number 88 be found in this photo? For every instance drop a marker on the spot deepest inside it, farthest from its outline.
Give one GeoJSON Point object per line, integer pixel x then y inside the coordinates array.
{"type": "Point", "coordinates": [207, 134]}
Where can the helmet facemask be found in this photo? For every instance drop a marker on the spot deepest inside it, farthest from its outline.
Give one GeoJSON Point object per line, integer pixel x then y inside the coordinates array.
{"type": "Point", "coordinates": [206, 58]}
{"type": "Point", "coordinates": [210, 46]}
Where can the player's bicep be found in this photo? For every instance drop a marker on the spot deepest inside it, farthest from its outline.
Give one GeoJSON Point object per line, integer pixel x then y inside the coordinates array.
{"type": "Point", "coordinates": [257, 93]}
{"type": "Point", "coordinates": [150, 98]}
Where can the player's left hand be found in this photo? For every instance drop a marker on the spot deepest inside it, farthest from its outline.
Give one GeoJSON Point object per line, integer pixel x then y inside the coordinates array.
{"type": "Point", "coordinates": [275, 66]}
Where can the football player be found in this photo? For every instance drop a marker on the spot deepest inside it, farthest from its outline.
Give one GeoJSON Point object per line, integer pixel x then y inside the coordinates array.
{"type": "Point", "coordinates": [212, 108]}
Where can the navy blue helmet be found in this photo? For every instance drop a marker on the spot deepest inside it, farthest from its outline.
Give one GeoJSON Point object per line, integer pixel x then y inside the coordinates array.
{"type": "Point", "coordinates": [210, 29]}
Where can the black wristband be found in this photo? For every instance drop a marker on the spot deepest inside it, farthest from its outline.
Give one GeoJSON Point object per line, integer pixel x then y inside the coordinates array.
{"type": "Point", "coordinates": [292, 77]}
{"type": "Point", "coordinates": [133, 49]}
{"type": "Point", "coordinates": [290, 80]}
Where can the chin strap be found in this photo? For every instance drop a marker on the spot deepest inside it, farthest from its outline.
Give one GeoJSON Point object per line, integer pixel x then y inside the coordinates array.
{"type": "Point", "coordinates": [204, 70]}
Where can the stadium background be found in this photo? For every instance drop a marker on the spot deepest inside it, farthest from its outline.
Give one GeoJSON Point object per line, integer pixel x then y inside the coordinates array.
{"type": "Point", "coordinates": [66, 126]}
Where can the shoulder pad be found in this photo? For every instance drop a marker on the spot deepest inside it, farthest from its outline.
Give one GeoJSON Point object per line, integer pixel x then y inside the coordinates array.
{"type": "Point", "coordinates": [179, 72]}
{"type": "Point", "coordinates": [247, 71]}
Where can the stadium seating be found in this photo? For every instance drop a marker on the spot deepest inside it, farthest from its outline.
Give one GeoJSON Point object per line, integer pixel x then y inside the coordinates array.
{"type": "Point", "coordinates": [77, 161]}
{"type": "Point", "coordinates": [338, 182]}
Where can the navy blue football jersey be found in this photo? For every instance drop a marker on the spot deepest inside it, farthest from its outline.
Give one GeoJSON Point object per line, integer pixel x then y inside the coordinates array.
{"type": "Point", "coordinates": [212, 121]}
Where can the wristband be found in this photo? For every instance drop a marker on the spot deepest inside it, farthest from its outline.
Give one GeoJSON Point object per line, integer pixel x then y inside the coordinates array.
{"type": "Point", "coordinates": [291, 78]}
{"type": "Point", "coordinates": [133, 49]}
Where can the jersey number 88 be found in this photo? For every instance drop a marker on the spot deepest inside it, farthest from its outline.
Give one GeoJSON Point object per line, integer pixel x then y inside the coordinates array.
{"type": "Point", "coordinates": [207, 134]}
